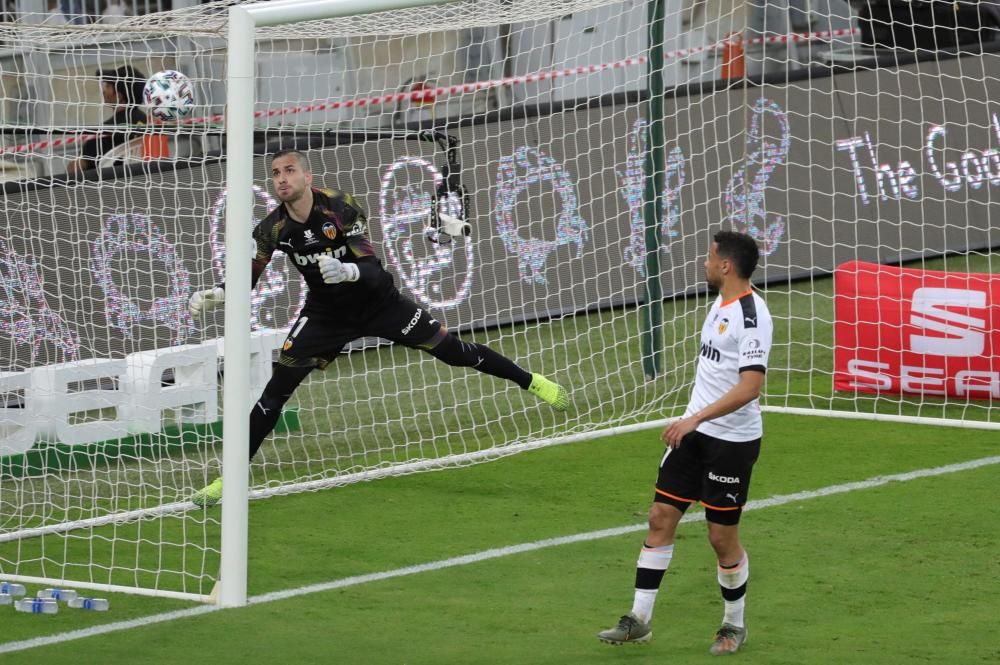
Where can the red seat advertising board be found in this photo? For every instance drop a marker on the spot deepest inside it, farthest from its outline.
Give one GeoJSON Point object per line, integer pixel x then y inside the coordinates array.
{"type": "Point", "coordinates": [919, 332]}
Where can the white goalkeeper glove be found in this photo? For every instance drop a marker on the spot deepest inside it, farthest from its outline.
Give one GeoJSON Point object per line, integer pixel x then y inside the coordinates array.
{"type": "Point", "coordinates": [334, 271]}
{"type": "Point", "coordinates": [205, 301]}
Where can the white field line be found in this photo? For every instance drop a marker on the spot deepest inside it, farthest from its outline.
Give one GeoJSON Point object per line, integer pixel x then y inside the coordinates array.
{"type": "Point", "coordinates": [486, 555]}
{"type": "Point", "coordinates": [435, 464]}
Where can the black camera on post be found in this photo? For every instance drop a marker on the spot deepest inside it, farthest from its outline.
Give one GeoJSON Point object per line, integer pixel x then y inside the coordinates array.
{"type": "Point", "coordinates": [449, 216]}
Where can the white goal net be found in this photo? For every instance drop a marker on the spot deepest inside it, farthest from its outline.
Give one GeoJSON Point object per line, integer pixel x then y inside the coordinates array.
{"type": "Point", "coordinates": [530, 121]}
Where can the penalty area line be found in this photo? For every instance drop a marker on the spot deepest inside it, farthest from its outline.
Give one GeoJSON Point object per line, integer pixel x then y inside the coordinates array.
{"type": "Point", "coordinates": [486, 555]}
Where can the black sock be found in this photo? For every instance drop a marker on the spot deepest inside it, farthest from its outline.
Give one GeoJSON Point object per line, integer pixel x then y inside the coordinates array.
{"type": "Point", "coordinates": [480, 357]}
{"type": "Point", "coordinates": [265, 413]}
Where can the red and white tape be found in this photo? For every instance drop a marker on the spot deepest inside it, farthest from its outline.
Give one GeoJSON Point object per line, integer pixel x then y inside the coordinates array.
{"type": "Point", "coordinates": [431, 95]}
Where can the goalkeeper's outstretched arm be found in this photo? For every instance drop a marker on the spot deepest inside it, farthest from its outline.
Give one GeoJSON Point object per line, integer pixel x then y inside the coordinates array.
{"type": "Point", "coordinates": [202, 302]}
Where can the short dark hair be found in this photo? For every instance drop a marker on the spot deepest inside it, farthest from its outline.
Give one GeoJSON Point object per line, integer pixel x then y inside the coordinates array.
{"type": "Point", "coordinates": [740, 248]}
{"type": "Point", "coordinates": [127, 80]}
{"type": "Point", "coordinates": [301, 156]}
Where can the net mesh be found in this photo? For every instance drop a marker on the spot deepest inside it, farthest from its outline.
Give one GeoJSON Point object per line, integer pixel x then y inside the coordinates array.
{"type": "Point", "coordinates": [539, 109]}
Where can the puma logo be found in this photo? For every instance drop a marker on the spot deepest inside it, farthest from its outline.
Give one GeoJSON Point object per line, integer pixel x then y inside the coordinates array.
{"type": "Point", "coordinates": [752, 320]}
{"type": "Point", "coordinates": [733, 497]}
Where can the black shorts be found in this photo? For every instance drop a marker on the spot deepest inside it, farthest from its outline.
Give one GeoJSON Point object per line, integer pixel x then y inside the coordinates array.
{"type": "Point", "coordinates": [321, 332]}
{"type": "Point", "coordinates": [710, 471]}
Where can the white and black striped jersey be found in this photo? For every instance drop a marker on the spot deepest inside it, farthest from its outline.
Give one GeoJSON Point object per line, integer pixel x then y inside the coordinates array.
{"type": "Point", "coordinates": [736, 337]}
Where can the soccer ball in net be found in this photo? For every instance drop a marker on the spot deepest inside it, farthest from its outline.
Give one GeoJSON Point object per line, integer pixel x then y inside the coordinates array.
{"type": "Point", "coordinates": [168, 96]}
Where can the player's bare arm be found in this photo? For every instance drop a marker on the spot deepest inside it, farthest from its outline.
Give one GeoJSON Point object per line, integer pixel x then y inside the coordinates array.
{"type": "Point", "coordinates": [744, 392]}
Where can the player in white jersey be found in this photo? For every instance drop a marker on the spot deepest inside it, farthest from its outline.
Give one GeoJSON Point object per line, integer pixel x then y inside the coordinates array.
{"type": "Point", "coordinates": [711, 450]}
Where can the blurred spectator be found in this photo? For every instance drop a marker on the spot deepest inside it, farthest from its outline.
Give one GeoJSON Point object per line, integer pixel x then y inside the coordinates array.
{"type": "Point", "coordinates": [122, 90]}
{"type": "Point", "coordinates": [115, 12]}
{"type": "Point", "coordinates": [73, 11]}
{"type": "Point", "coordinates": [55, 15]}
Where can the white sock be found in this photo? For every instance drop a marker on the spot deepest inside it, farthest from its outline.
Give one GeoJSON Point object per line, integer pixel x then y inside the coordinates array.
{"type": "Point", "coordinates": [642, 604]}
{"type": "Point", "coordinates": [734, 612]}
{"type": "Point", "coordinates": [652, 563]}
{"type": "Point", "coordinates": [733, 582]}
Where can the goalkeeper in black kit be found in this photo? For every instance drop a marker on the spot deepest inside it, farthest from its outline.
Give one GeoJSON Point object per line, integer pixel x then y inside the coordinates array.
{"type": "Point", "coordinates": [350, 296]}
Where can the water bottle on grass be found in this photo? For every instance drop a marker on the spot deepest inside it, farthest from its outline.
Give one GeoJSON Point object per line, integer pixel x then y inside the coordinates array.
{"type": "Point", "coordinates": [65, 595]}
{"type": "Point", "coordinates": [37, 605]}
{"type": "Point", "coordinates": [14, 590]}
{"type": "Point", "coordinates": [94, 604]}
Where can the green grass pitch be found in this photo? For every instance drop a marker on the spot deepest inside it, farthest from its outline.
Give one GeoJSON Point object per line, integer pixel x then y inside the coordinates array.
{"type": "Point", "coordinates": [896, 574]}
{"type": "Point", "coordinates": [901, 573]}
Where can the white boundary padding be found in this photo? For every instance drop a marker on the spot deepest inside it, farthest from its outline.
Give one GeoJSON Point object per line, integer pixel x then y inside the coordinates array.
{"type": "Point", "coordinates": [263, 344]}
{"type": "Point", "coordinates": [243, 24]}
{"type": "Point", "coordinates": [18, 422]}
{"type": "Point", "coordinates": [194, 392]}
{"type": "Point", "coordinates": [56, 389]}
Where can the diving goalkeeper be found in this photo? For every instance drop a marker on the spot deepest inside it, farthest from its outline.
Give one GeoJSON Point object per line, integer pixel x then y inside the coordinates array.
{"type": "Point", "coordinates": [350, 296]}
